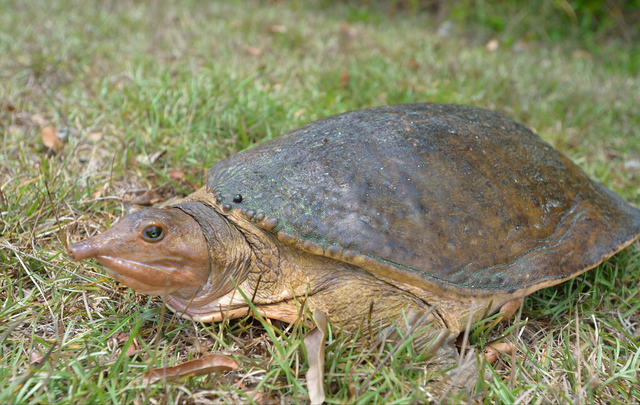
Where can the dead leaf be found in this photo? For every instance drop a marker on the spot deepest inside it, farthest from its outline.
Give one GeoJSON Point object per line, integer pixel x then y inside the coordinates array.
{"type": "Point", "coordinates": [241, 384]}
{"type": "Point", "coordinates": [580, 54]}
{"type": "Point", "coordinates": [170, 202]}
{"type": "Point", "coordinates": [346, 30]}
{"type": "Point", "coordinates": [176, 175]}
{"type": "Point", "coordinates": [180, 178]}
{"type": "Point", "coordinates": [35, 356]}
{"type": "Point", "coordinates": [133, 348]}
{"type": "Point", "coordinates": [95, 136]}
{"type": "Point", "coordinates": [413, 64]}
{"type": "Point", "coordinates": [151, 196]}
{"type": "Point", "coordinates": [279, 29]}
{"type": "Point", "coordinates": [97, 194]}
{"type": "Point", "coordinates": [493, 352]}
{"type": "Point", "coordinates": [206, 365]}
{"type": "Point", "coordinates": [315, 344]}
{"type": "Point", "coordinates": [344, 79]}
{"type": "Point", "coordinates": [39, 120]}
{"type": "Point", "coordinates": [9, 107]}
{"type": "Point", "coordinates": [299, 113]}
{"type": "Point", "coordinates": [252, 51]}
{"type": "Point", "coordinates": [492, 45]}
{"type": "Point", "coordinates": [459, 341]}
{"type": "Point", "coordinates": [147, 198]}
{"type": "Point", "coordinates": [50, 138]}
{"type": "Point", "coordinates": [260, 397]}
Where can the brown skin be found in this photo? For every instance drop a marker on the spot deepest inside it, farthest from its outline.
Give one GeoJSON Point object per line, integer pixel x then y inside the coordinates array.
{"type": "Point", "coordinates": [279, 278]}
{"type": "Point", "coordinates": [157, 252]}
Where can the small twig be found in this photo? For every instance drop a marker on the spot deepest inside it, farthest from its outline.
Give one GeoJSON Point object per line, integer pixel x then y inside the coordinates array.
{"type": "Point", "coordinates": [521, 398]}
{"type": "Point", "coordinates": [233, 295]}
{"type": "Point", "coordinates": [184, 311]}
{"type": "Point", "coordinates": [512, 377]}
{"type": "Point", "coordinates": [35, 225]}
{"type": "Point", "coordinates": [301, 306]}
{"type": "Point", "coordinates": [578, 358]}
{"type": "Point", "coordinates": [369, 321]}
{"type": "Point", "coordinates": [86, 304]}
{"type": "Point", "coordinates": [383, 335]}
{"type": "Point", "coordinates": [465, 337]}
{"type": "Point", "coordinates": [191, 116]}
{"type": "Point", "coordinates": [55, 213]}
{"type": "Point", "coordinates": [255, 291]}
{"type": "Point", "coordinates": [113, 160]}
{"type": "Point", "coordinates": [461, 358]}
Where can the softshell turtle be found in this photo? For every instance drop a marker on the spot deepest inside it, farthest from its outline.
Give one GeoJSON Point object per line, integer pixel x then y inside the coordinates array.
{"type": "Point", "coordinates": [384, 214]}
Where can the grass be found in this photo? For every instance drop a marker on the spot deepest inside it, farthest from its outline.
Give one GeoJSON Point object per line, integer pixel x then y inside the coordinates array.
{"type": "Point", "coordinates": [200, 81]}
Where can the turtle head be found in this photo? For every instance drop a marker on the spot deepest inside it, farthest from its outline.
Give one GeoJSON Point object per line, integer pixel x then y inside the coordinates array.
{"type": "Point", "coordinates": [154, 251]}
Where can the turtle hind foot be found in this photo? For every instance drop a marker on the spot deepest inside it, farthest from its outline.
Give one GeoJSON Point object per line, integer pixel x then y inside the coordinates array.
{"type": "Point", "coordinates": [461, 376]}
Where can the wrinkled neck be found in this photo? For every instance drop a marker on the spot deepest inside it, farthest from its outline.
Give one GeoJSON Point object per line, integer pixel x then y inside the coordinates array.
{"type": "Point", "coordinates": [229, 254]}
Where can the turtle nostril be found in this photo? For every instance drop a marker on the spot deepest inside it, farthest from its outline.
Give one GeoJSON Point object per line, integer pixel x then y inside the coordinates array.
{"type": "Point", "coordinates": [82, 250]}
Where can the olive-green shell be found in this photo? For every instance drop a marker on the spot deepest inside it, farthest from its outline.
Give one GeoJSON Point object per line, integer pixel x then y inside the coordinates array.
{"type": "Point", "coordinates": [459, 197]}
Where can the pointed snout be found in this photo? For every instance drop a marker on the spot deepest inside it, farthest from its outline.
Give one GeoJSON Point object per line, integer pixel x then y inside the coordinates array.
{"type": "Point", "coordinates": [83, 250]}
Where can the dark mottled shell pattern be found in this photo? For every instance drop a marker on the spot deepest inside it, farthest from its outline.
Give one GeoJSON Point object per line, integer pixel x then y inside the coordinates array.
{"type": "Point", "coordinates": [457, 197]}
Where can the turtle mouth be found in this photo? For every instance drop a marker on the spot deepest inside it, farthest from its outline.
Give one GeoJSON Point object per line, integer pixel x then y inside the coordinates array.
{"type": "Point", "coordinates": [144, 278]}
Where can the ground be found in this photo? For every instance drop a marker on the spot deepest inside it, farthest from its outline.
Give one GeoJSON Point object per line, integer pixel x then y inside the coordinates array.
{"type": "Point", "coordinates": [104, 103]}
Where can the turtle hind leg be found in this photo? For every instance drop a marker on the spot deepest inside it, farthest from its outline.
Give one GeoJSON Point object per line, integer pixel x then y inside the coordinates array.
{"type": "Point", "coordinates": [383, 310]}
{"type": "Point", "coordinates": [451, 372]}
{"type": "Point", "coordinates": [392, 318]}
{"type": "Point", "coordinates": [451, 375]}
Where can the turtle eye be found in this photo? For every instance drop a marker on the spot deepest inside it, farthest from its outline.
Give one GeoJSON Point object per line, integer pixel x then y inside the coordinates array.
{"type": "Point", "coordinates": [152, 233]}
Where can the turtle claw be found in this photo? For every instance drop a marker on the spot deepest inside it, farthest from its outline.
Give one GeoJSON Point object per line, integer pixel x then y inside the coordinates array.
{"type": "Point", "coordinates": [466, 374]}
{"type": "Point", "coordinates": [462, 377]}
{"type": "Point", "coordinates": [510, 308]}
